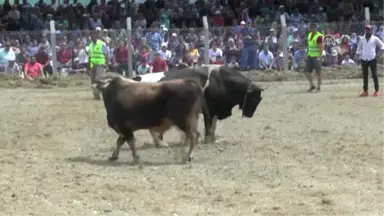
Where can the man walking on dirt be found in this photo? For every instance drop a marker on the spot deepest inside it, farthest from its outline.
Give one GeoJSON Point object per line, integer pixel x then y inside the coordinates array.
{"type": "Point", "coordinates": [98, 60]}
{"type": "Point", "coordinates": [315, 49]}
{"type": "Point", "coordinates": [366, 50]}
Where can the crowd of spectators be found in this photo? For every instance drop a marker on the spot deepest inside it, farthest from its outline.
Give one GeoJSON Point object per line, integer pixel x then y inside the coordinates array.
{"type": "Point", "coordinates": [166, 32]}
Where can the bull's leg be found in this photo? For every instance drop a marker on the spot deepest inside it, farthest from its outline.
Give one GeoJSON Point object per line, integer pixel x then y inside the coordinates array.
{"type": "Point", "coordinates": [132, 144]}
{"type": "Point", "coordinates": [210, 130]}
{"type": "Point", "coordinates": [191, 138]}
{"type": "Point", "coordinates": [119, 142]}
{"type": "Point", "coordinates": [158, 139]}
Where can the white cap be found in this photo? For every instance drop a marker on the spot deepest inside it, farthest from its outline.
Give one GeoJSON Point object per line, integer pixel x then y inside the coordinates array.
{"type": "Point", "coordinates": [295, 29]}
{"type": "Point", "coordinates": [242, 22]}
{"type": "Point", "coordinates": [98, 28]}
{"type": "Point", "coordinates": [174, 35]}
{"type": "Point", "coordinates": [164, 45]}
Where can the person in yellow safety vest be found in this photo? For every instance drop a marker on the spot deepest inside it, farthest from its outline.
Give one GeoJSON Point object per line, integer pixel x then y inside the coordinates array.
{"type": "Point", "coordinates": [98, 60]}
{"type": "Point", "coordinates": [315, 49]}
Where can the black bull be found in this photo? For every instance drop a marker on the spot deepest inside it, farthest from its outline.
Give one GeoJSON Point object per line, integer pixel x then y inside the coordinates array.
{"type": "Point", "coordinates": [224, 88]}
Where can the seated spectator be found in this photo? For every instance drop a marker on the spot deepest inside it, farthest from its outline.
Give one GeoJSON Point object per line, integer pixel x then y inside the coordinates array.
{"type": "Point", "coordinates": [77, 67]}
{"type": "Point", "coordinates": [219, 60]}
{"type": "Point", "coordinates": [193, 53]}
{"type": "Point", "coordinates": [143, 67]}
{"type": "Point", "coordinates": [33, 48]}
{"type": "Point", "coordinates": [81, 52]}
{"type": "Point", "coordinates": [214, 52]}
{"type": "Point", "coordinates": [265, 58]}
{"type": "Point", "coordinates": [13, 69]}
{"type": "Point", "coordinates": [165, 53]}
{"type": "Point", "coordinates": [345, 46]}
{"type": "Point", "coordinates": [233, 63]}
{"type": "Point", "coordinates": [43, 58]}
{"type": "Point", "coordinates": [64, 57]}
{"type": "Point", "coordinates": [347, 61]}
{"type": "Point", "coordinates": [159, 64]}
{"type": "Point", "coordinates": [299, 58]}
{"type": "Point", "coordinates": [33, 69]}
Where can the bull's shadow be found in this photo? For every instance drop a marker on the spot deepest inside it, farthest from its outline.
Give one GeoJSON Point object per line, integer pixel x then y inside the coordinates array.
{"type": "Point", "coordinates": [151, 145]}
{"type": "Point", "coordinates": [105, 162]}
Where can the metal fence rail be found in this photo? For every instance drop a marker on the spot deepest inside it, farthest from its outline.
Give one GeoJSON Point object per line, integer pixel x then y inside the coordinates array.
{"type": "Point", "coordinates": [281, 37]}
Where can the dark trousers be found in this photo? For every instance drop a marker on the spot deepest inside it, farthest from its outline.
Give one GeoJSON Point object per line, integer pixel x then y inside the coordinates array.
{"type": "Point", "coordinates": [121, 68]}
{"type": "Point", "coordinates": [48, 70]}
{"type": "Point", "coordinates": [373, 65]}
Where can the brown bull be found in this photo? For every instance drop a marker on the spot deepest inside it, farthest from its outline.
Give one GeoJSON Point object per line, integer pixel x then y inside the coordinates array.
{"type": "Point", "coordinates": [133, 106]}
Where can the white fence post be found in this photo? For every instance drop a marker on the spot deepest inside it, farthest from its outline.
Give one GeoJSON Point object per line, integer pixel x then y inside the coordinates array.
{"type": "Point", "coordinates": [53, 46]}
{"type": "Point", "coordinates": [285, 40]}
{"type": "Point", "coordinates": [206, 40]}
{"type": "Point", "coordinates": [130, 50]}
{"type": "Point", "coordinates": [367, 16]}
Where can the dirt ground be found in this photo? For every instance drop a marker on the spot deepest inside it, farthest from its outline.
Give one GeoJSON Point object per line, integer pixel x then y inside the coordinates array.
{"type": "Point", "coordinates": [301, 154]}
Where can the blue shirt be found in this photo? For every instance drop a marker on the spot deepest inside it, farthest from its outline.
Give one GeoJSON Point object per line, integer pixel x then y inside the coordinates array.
{"type": "Point", "coordinates": [154, 40]}
{"type": "Point", "coordinates": [299, 56]}
{"type": "Point", "coordinates": [252, 32]}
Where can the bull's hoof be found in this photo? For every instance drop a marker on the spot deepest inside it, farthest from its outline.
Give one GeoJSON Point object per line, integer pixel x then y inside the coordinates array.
{"type": "Point", "coordinates": [161, 144]}
{"type": "Point", "coordinates": [113, 158]}
{"type": "Point", "coordinates": [209, 139]}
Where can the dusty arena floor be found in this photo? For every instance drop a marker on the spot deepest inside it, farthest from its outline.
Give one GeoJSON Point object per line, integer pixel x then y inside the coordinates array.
{"type": "Point", "coordinates": [301, 154]}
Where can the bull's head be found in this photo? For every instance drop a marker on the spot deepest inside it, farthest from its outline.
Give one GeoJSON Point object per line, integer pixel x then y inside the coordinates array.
{"type": "Point", "coordinates": [252, 99]}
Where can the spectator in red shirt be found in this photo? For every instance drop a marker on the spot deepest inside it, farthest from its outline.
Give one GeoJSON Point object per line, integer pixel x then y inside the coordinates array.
{"type": "Point", "coordinates": [159, 64]}
{"type": "Point", "coordinates": [33, 69]}
{"type": "Point", "coordinates": [43, 58]}
{"type": "Point", "coordinates": [121, 58]}
{"type": "Point", "coordinates": [64, 57]}
{"type": "Point", "coordinates": [218, 20]}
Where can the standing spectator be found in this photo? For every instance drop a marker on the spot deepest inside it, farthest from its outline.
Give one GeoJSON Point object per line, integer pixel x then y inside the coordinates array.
{"type": "Point", "coordinates": [121, 58]}
{"type": "Point", "coordinates": [154, 41]}
{"type": "Point", "coordinates": [99, 60]}
{"type": "Point", "coordinates": [14, 14]}
{"type": "Point", "coordinates": [43, 59]}
{"type": "Point", "coordinates": [6, 55]}
{"type": "Point", "coordinates": [33, 69]}
{"type": "Point", "coordinates": [159, 64]}
{"type": "Point", "coordinates": [249, 51]}
{"type": "Point", "coordinates": [315, 50]}
{"type": "Point", "coordinates": [296, 17]}
{"type": "Point", "coordinates": [366, 50]}
{"type": "Point", "coordinates": [13, 69]}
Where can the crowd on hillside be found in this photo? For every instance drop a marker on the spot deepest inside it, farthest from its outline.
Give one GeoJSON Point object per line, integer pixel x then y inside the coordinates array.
{"type": "Point", "coordinates": [242, 33]}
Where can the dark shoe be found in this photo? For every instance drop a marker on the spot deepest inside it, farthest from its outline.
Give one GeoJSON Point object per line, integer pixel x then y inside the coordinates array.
{"type": "Point", "coordinates": [311, 88]}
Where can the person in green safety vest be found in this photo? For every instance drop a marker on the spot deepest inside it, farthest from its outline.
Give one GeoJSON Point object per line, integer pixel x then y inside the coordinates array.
{"type": "Point", "coordinates": [315, 49]}
{"type": "Point", "coordinates": [98, 60]}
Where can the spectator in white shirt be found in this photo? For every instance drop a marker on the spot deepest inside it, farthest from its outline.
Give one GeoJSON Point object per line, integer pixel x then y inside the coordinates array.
{"type": "Point", "coordinates": [265, 58]}
{"type": "Point", "coordinates": [347, 61]}
{"type": "Point", "coordinates": [272, 35]}
{"type": "Point", "coordinates": [214, 52]}
{"type": "Point", "coordinates": [366, 50]}
{"type": "Point", "coordinates": [13, 69]}
{"type": "Point", "coordinates": [165, 53]}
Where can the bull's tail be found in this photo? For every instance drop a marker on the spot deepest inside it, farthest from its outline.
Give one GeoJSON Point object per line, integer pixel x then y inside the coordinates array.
{"type": "Point", "coordinates": [204, 105]}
